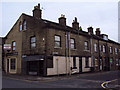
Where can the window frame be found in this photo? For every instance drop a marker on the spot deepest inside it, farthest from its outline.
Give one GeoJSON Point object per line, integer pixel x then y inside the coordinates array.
{"type": "Point", "coordinates": [116, 51]}
{"type": "Point", "coordinates": [86, 47]}
{"type": "Point", "coordinates": [13, 45]}
{"type": "Point", "coordinates": [100, 48]}
{"type": "Point", "coordinates": [95, 47]}
{"type": "Point", "coordinates": [96, 62]}
{"type": "Point", "coordinates": [117, 61]}
{"type": "Point", "coordinates": [71, 43]}
{"type": "Point", "coordinates": [104, 48]}
{"type": "Point", "coordinates": [20, 26]}
{"type": "Point", "coordinates": [111, 49]}
{"type": "Point", "coordinates": [24, 25]}
{"type": "Point", "coordinates": [31, 42]}
{"type": "Point", "coordinates": [58, 41]}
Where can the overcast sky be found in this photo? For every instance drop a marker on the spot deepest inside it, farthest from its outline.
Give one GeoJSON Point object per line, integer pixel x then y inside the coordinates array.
{"type": "Point", "coordinates": [103, 15]}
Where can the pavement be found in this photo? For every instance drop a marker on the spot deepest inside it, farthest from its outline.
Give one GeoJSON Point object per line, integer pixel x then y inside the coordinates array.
{"type": "Point", "coordinates": [47, 78]}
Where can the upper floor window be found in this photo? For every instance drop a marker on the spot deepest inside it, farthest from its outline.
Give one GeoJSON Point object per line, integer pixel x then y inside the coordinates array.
{"type": "Point", "coordinates": [111, 49]}
{"type": "Point", "coordinates": [95, 47]}
{"type": "Point", "coordinates": [115, 50]}
{"type": "Point", "coordinates": [103, 48]}
{"type": "Point", "coordinates": [33, 42]}
{"type": "Point", "coordinates": [100, 48]}
{"type": "Point", "coordinates": [57, 41]}
{"type": "Point", "coordinates": [72, 43]}
{"type": "Point", "coordinates": [13, 45]}
{"type": "Point", "coordinates": [24, 25]}
{"type": "Point", "coordinates": [86, 45]}
{"type": "Point", "coordinates": [20, 26]}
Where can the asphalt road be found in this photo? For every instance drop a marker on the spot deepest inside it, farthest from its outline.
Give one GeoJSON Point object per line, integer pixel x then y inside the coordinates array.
{"type": "Point", "coordinates": [93, 80]}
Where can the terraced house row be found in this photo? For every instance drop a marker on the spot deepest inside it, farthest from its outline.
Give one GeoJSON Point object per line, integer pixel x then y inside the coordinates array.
{"type": "Point", "coordinates": [36, 46]}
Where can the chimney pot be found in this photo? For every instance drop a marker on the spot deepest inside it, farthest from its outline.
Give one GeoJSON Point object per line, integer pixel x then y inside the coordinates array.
{"type": "Point", "coordinates": [97, 31]}
{"type": "Point", "coordinates": [38, 5]}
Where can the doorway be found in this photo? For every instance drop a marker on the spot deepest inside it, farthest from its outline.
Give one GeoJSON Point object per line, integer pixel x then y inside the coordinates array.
{"type": "Point", "coordinates": [80, 64]}
{"type": "Point", "coordinates": [8, 65]}
{"type": "Point", "coordinates": [35, 68]}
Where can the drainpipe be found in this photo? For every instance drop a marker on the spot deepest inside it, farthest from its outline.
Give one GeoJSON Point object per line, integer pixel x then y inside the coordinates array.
{"type": "Point", "coordinates": [99, 54]}
{"type": "Point", "coordinates": [69, 53]}
{"type": "Point", "coordinates": [106, 51]}
{"type": "Point", "coordinates": [91, 44]}
{"type": "Point", "coordinates": [66, 52]}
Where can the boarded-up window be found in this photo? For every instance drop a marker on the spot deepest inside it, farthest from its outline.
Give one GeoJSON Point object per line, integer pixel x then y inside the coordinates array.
{"type": "Point", "coordinates": [49, 62]}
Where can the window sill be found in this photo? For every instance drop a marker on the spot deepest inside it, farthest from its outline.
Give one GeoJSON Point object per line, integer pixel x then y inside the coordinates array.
{"type": "Point", "coordinates": [73, 49]}
{"type": "Point", "coordinates": [87, 67]}
{"type": "Point", "coordinates": [58, 47]}
{"type": "Point", "coordinates": [87, 50]}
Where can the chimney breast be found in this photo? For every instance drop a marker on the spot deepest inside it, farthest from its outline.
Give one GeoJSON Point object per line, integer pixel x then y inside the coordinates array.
{"type": "Point", "coordinates": [62, 20]}
{"type": "Point", "coordinates": [37, 11]}
{"type": "Point", "coordinates": [90, 30]}
{"type": "Point", "coordinates": [75, 24]}
{"type": "Point", "coordinates": [97, 31]}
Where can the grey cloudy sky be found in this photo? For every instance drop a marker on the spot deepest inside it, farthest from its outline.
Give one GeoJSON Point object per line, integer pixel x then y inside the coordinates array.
{"type": "Point", "coordinates": [96, 14]}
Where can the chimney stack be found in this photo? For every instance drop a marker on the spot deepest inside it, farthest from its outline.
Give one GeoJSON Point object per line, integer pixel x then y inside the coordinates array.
{"type": "Point", "coordinates": [90, 30]}
{"type": "Point", "coordinates": [75, 24]}
{"type": "Point", "coordinates": [62, 20]}
{"type": "Point", "coordinates": [97, 31]}
{"type": "Point", "coordinates": [37, 12]}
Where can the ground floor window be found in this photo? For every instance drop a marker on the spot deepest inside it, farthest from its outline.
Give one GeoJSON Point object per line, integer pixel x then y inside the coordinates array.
{"type": "Point", "coordinates": [101, 63]}
{"type": "Point", "coordinates": [104, 61]}
{"type": "Point", "coordinates": [13, 64]}
{"type": "Point", "coordinates": [111, 60]}
{"type": "Point", "coordinates": [96, 62]}
{"type": "Point", "coordinates": [116, 61]}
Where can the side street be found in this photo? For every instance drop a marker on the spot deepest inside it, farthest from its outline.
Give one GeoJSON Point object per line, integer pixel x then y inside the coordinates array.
{"type": "Point", "coordinates": [86, 80]}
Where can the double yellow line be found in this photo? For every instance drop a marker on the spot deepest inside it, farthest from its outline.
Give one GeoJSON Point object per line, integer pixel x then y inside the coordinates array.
{"type": "Point", "coordinates": [103, 84]}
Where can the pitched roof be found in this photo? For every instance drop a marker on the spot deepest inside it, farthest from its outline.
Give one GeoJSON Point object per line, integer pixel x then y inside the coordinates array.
{"type": "Point", "coordinates": [50, 24]}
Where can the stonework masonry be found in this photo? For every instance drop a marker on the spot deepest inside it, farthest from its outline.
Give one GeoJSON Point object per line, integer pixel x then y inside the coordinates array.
{"type": "Point", "coordinates": [36, 52]}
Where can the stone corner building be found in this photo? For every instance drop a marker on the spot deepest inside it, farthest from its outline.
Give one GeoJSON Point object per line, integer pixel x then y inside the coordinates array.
{"type": "Point", "coordinates": [41, 47]}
